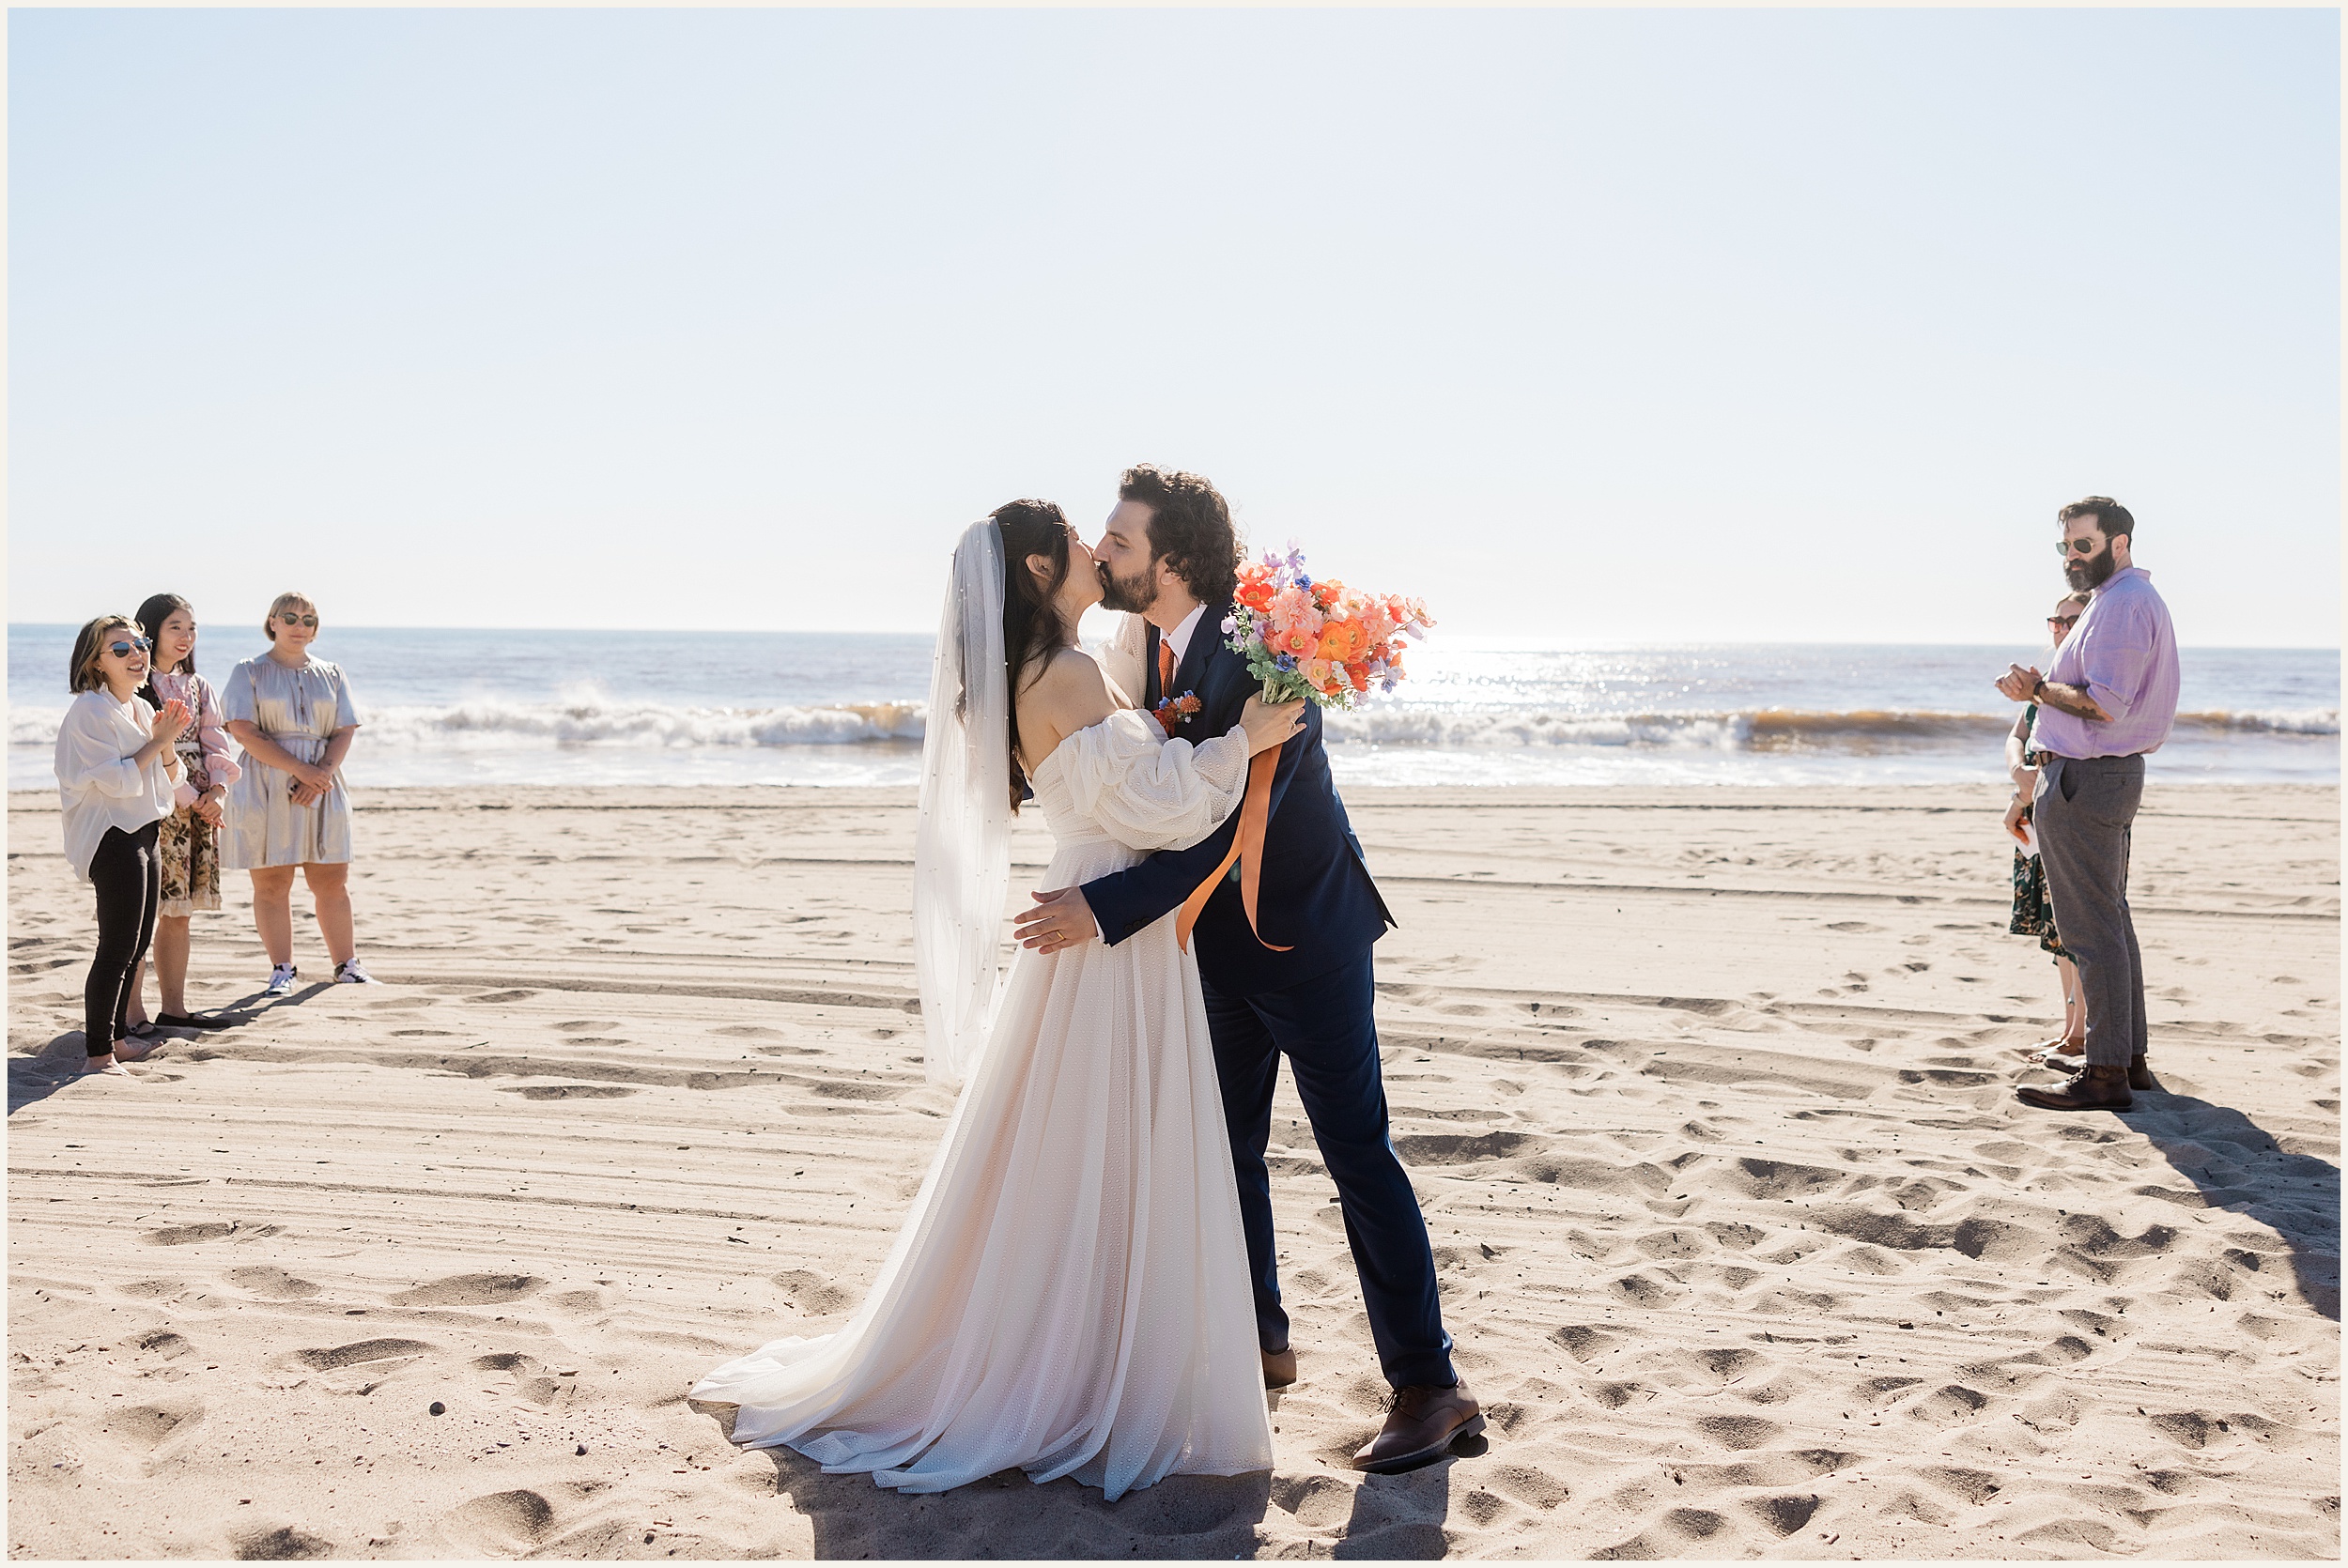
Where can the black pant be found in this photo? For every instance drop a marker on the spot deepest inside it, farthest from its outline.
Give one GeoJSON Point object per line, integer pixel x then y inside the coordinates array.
{"type": "Point", "coordinates": [1324, 1027]}
{"type": "Point", "coordinates": [127, 874]}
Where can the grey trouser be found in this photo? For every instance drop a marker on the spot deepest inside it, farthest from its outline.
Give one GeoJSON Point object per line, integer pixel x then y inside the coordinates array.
{"type": "Point", "coordinates": [2084, 810]}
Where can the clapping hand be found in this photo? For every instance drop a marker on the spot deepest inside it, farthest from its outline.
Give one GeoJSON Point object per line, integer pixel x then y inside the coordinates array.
{"type": "Point", "coordinates": [2018, 682]}
{"type": "Point", "coordinates": [173, 721]}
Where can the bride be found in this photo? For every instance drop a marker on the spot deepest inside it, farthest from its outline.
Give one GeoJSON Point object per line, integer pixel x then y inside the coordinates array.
{"type": "Point", "coordinates": [1070, 1293]}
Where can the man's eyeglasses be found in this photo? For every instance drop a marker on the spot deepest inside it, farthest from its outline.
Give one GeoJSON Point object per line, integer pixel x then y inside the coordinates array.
{"type": "Point", "coordinates": [290, 618]}
{"type": "Point", "coordinates": [2065, 622]}
{"type": "Point", "coordinates": [123, 650]}
{"type": "Point", "coordinates": [2069, 547]}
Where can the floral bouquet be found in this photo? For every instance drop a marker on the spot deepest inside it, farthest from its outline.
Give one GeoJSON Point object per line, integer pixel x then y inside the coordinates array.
{"type": "Point", "coordinates": [1317, 639]}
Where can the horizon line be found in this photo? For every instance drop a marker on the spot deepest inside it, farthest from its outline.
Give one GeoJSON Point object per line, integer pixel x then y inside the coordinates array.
{"type": "Point", "coordinates": [1459, 639]}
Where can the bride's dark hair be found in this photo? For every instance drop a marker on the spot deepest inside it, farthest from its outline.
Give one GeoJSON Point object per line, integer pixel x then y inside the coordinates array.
{"type": "Point", "coordinates": [1032, 632]}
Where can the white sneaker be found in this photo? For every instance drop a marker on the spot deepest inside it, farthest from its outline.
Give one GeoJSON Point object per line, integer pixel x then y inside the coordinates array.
{"type": "Point", "coordinates": [349, 974]}
{"type": "Point", "coordinates": [281, 980]}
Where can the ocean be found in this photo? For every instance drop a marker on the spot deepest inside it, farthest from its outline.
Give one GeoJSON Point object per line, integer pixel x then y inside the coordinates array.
{"type": "Point", "coordinates": [662, 707]}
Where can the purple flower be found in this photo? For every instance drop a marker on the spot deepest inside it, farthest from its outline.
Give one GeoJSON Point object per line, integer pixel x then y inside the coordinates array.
{"type": "Point", "coordinates": [1286, 661]}
{"type": "Point", "coordinates": [1230, 625]}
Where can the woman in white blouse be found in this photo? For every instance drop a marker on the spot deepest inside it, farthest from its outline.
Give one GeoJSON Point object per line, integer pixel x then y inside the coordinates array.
{"type": "Point", "coordinates": [294, 716]}
{"type": "Point", "coordinates": [117, 769]}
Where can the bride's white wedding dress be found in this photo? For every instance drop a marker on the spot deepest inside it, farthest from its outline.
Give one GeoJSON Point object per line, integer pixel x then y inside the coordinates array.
{"type": "Point", "coordinates": [1070, 1293]}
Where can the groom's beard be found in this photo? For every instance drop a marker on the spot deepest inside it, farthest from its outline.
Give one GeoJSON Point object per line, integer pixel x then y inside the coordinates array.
{"type": "Point", "coordinates": [2092, 572]}
{"type": "Point", "coordinates": [1131, 595]}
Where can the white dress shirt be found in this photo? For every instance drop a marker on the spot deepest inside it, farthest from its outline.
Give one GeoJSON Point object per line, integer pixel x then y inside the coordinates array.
{"type": "Point", "coordinates": [98, 785]}
{"type": "Point", "coordinates": [1178, 638]}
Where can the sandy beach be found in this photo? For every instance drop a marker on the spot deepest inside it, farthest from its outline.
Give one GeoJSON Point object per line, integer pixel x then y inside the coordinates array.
{"type": "Point", "coordinates": [1748, 1249]}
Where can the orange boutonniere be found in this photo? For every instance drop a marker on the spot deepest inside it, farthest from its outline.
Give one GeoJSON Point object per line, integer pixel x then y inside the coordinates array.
{"type": "Point", "coordinates": [1173, 710]}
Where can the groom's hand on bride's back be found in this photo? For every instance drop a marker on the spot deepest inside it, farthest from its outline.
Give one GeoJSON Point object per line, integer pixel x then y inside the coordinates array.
{"type": "Point", "coordinates": [1060, 919]}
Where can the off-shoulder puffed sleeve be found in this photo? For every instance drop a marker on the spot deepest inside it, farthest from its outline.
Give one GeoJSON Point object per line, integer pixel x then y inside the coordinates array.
{"type": "Point", "coordinates": [1147, 792]}
{"type": "Point", "coordinates": [1127, 658]}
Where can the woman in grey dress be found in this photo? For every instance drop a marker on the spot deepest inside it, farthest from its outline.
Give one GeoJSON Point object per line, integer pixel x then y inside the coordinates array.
{"type": "Point", "coordinates": [294, 716]}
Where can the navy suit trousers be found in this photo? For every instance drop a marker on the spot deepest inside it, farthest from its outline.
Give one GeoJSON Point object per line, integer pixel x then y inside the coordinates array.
{"type": "Point", "coordinates": [1326, 1027]}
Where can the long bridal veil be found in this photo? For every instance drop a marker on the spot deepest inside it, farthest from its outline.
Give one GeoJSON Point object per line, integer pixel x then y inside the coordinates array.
{"type": "Point", "coordinates": [961, 847]}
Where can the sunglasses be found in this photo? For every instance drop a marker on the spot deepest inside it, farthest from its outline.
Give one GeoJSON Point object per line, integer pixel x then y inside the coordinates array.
{"type": "Point", "coordinates": [2078, 547]}
{"type": "Point", "coordinates": [124, 650]}
{"type": "Point", "coordinates": [2065, 622]}
{"type": "Point", "coordinates": [290, 618]}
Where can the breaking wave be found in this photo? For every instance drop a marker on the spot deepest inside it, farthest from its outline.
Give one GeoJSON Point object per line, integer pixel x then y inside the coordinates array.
{"type": "Point", "coordinates": [581, 721]}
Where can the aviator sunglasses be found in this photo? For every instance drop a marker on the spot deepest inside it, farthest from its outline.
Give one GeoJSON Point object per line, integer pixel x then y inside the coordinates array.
{"type": "Point", "coordinates": [2070, 547]}
{"type": "Point", "coordinates": [290, 618]}
{"type": "Point", "coordinates": [123, 650]}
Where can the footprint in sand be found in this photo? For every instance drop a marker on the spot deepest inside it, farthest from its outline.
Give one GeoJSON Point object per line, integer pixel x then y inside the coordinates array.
{"type": "Point", "coordinates": [1677, 1534]}
{"type": "Point", "coordinates": [284, 1544]}
{"type": "Point", "coordinates": [504, 1521]}
{"type": "Point", "coordinates": [470, 1290]}
{"type": "Point", "coordinates": [143, 1427]}
{"type": "Point", "coordinates": [160, 1342]}
{"type": "Point", "coordinates": [811, 1292]}
{"type": "Point", "coordinates": [573, 1091]}
{"type": "Point", "coordinates": [273, 1283]}
{"type": "Point", "coordinates": [362, 1352]}
{"type": "Point", "coordinates": [1739, 1431]}
{"type": "Point", "coordinates": [599, 1025]}
{"type": "Point", "coordinates": [182, 1236]}
{"type": "Point", "coordinates": [1784, 1515]}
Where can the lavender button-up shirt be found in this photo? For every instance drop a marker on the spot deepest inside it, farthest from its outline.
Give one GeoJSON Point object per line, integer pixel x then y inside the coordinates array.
{"type": "Point", "coordinates": [2124, 655]}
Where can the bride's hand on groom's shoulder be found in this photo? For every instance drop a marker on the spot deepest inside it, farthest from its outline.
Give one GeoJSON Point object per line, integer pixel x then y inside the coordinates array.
{"type": "Point", "coordinates": [1060, 919]}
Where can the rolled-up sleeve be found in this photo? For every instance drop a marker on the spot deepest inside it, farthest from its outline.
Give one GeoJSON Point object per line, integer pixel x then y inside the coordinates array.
{"type": "Point", "coordinates": [2117, 661]}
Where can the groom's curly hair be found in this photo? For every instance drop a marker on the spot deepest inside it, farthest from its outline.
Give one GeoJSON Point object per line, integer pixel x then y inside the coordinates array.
{"type": "Point", "coordinates": [1190, 528]}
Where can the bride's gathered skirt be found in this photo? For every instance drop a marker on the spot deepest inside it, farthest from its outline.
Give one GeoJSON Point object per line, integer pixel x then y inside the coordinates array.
{"type": "Point", "coordinates": [1070, 1293]}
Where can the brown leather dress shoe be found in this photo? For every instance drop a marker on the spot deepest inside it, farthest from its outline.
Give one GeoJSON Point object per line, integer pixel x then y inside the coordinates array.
{"type": "Point", "coordinates": [1279, 1368]}
{"type": "Point", "coordinates": [2139, 1074]}
{"type": "Point", "coordinates": [2090, 1088]}
{"type": "Point", "coordinates": [1420, 1428]}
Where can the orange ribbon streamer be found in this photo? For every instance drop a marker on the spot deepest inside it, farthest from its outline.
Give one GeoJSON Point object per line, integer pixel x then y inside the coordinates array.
{"type": "Point", "coordinates": [1247, 848]}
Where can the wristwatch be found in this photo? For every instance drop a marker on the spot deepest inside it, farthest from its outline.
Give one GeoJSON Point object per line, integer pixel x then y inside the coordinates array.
{"type": "Point", "coordinates": [2037, 687]}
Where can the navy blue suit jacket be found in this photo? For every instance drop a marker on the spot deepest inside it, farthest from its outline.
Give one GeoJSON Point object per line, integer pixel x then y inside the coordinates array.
{"type": "Point", "coordinates": [1315, 897]}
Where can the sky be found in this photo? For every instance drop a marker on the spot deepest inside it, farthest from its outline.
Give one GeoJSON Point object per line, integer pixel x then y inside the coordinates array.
{"type": "Point", "coordinates": [1597, 326]}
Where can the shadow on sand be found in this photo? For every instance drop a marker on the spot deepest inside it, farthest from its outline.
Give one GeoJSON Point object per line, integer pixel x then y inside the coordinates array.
{"type": "Point", "coordinates": [2235, 1164]}
{"type": "Point", "coordinates": [36, 1075]}
{"type": "Point", "coordinates": [1394, 1517]}
{"type": "Point", "coordinates": [1006, 1516]}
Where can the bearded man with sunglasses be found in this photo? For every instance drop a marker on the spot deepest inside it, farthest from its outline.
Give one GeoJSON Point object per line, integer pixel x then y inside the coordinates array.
{"type": "Point", "coordinates": [2107, 703]}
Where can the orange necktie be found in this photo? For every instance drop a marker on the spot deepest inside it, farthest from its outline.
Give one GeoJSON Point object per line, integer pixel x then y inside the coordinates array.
{"type": "Point", "coordinates": [1166, 668]}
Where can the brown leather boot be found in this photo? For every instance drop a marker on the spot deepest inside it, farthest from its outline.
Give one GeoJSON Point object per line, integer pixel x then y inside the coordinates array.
{"type": "Point", "coordinates": [1279, 1368]}
{"type": "Point", "coordinates": [2090, 1088]}
{"type": "Point", "coordinates": [2139, 1074]}
{"type": "Point", "coordinates": [1420, 1428]}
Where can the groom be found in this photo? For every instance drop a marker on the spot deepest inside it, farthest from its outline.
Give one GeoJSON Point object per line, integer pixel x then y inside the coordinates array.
{"type": "Point", "coordinates": [1302, 988]}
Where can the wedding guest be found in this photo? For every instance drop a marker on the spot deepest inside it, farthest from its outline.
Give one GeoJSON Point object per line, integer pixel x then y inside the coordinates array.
{"type": "Point", "coordinates": [2107, 703]}
{"type": "Point", "coordinates": [2033, 914]}
{"type": "Point", "coordinates": [294, 716]}
{"type": "Point", "coordinates": [187, 842]}
{"type": "Point", "coordinates": [118, 766]}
